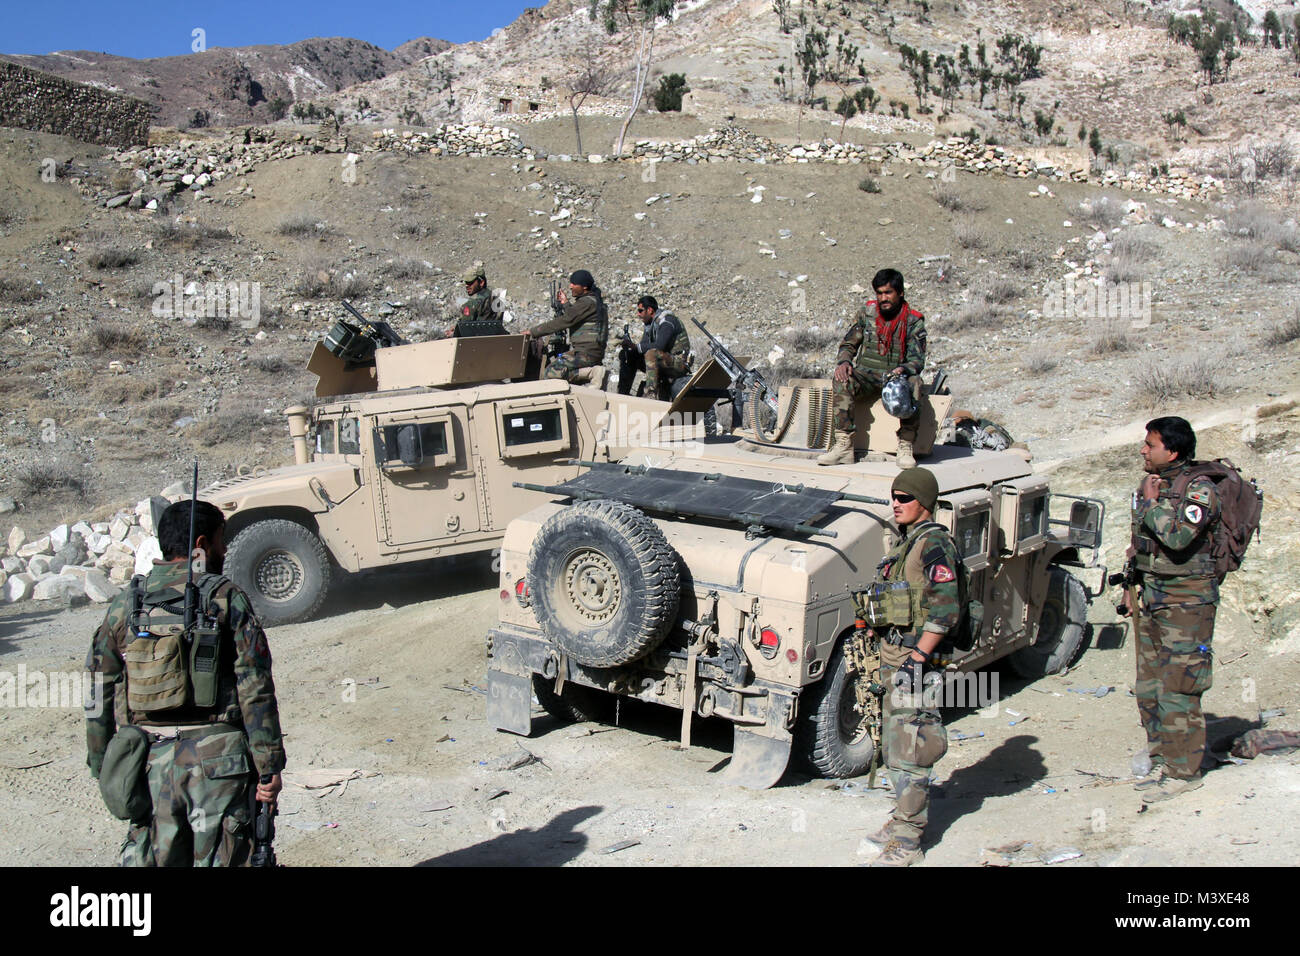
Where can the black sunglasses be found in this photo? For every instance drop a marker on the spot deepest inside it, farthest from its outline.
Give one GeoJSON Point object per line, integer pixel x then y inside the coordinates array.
{"type": "Point", "coordinates": [902, 497]}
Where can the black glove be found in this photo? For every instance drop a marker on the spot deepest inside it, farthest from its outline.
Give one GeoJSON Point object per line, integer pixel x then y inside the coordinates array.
{"type": "Point", "coordinates": [907, 679]}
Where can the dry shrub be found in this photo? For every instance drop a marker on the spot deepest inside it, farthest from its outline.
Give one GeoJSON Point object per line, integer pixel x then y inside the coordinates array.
{"type": "Point", "coordinates": [53, 476]}
{"type": "Point", "coordinates": [1024, 260]}
{"type": "Point", "coordinates": [1287, 331]}
{"type": "Point", "coordinates": [118, 337]}
{"type": "Point", "coordinates": [1262, 225]}
{"type": "Point", "coordinates": [1160, 380]}
{"type": "Point", "coordinates": [238, 424]}
{"type": "Point", "coordinates": [349, 285]}
{"type": "Point", "coordinates": [212, 323]}
{"type": "Point", "coordinates": [979, 313]}
{"type": "Point", "coordinates": [110, 390]}
{"type": "Point", "coordinates": [111, 256]}
{"type": "Point", "coordinates": [1112, 335]}
{"type": "Point", "coordinates": [810, 340]}
{"type": "Point", "coordinates": [1249, 257]}
{"type": "Point", "coordinates": [999, 290]}
{"type": "Point", "coordinates": [868, 184]}
{"type": "Point", "coordinates": [163, 414]}
{"type": "Point", "coordinates": [19, 290]}
{"type": "Point", "coordinates": [970, 234]}
{"type": "Point", "coordinates": [955, 201]}
{"type": "Point", "coordinates": [787, 369]}
{"type": "Point", "coordinates": [189, 235]}
{"type": "Point", "coordinates": [404, 267]}
{"type": "Point", "coordinates": [1104, 212]}
{"type": "Point", "coordinates": [271, 364]}
{"type": "Point", "coordinates": [301, 225]}
{"type": "Point", "coordinates": [1041, 361]}
{"type": "Point", "coordinates": [413, 227]}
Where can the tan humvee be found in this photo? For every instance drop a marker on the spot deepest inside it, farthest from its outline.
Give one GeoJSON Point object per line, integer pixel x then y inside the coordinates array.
{"type": "Point", "coordinates": [409, 458]}
{"type": "Point", "coordinates": [716, 577]}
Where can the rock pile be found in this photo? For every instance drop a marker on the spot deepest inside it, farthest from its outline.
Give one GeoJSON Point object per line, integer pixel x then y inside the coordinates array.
{"type": "Point", "coordinates": [82, 562]}
{"type": "Point", "coordinates": [453, 139]}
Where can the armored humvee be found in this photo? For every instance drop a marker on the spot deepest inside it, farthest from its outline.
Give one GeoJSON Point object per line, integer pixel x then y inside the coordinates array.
{"type": "Point", "coordinates": [716, 577]}
{"type": "Point", "coordinates": [410, 456]}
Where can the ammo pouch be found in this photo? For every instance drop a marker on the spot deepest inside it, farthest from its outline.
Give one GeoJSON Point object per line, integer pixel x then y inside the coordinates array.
{"type": "Point", "coordinates": [887, 604]}
{"type": "Point", "coordinates": [166, 667]}
{"type": "Point", "coordinates": [156, 673]}
{"type": "Point", "coordinates": [123, 778]}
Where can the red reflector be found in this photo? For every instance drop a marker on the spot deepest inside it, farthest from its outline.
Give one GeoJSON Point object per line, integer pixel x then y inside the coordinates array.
{"type": "Point", "coordinates": [505, 595]}
{"type": "Point", "coordinates": [768, 637]}
{"type": "Point", "coordinates": [521, 587]}
{"type": "Point", "coordinates": [792, 655]}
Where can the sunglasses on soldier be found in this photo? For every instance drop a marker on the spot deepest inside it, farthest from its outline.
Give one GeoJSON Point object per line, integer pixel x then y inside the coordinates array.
{"type": "Point", "coordinates": [902, 497]}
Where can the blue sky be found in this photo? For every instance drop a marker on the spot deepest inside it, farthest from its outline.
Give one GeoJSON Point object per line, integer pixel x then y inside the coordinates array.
{"type": "Point", "coordinates": [166, 29]}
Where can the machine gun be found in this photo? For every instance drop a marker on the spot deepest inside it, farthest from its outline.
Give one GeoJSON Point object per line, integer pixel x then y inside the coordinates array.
{"type": "Point", "coordinates": [556, 305]}
{"type": "Point", "coordinates": [356, 345]}
{"type": "Point", "coordinates": [263, 830]}
{"type": "Point", "coordinates": [743, 380]}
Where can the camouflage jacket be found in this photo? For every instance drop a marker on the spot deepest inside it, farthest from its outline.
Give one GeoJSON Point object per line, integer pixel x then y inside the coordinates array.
{"type": "Point", "coordinates": [1172, 540]}
{"type": "Point", "coordinates": [478, 307]}
{"type": "Point", "coordinates": [587, 322]}
{"type": "Point", "coordinates": [860, 345]}
{"type": "Point", "coordinates": [665, 334]}
{"type": "Point", "coordinates": [925, 557]}
{"type": "Point", "coordinates": [246, 692]}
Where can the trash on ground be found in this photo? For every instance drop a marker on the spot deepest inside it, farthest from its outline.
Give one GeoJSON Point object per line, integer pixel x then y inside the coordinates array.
{"type": "Point", "coordinates": [1061, 855]}
{"type": "Point", "coordinates": [621, 845]}
{"type": "Point", "coordinates": [1255, 742]}
{"type": "Point", "coordinates": [436, 806]}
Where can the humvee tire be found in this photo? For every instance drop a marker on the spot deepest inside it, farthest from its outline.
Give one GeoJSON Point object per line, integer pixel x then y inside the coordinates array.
{"type": "Point", "coordinates": [831, 739]}
{"type": "Point", "coordinates": [574, 704]}
{"type": "Point", "coordinates": [1060, 631]}
{"type": "Point", "coordinates": [605, 582]}
{"type": "Point", "coordinates": [282, 567]}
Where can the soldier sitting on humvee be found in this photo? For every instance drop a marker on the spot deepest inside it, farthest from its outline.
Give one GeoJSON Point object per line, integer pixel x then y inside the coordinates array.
{"type": "Point", "coordinates": [478, 308]}
{"type": "Point", "coordinates": [663, 352]}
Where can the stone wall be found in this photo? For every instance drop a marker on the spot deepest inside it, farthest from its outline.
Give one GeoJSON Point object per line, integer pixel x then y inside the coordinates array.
{"type": "Point", "coordinates": [30, 99]}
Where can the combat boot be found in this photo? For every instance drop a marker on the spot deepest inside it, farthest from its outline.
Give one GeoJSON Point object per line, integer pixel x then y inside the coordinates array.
{"type": "Point", "coordinates": [841, 452]}
{"type": "Point", "coordinates": [899, 853]}
{"type": "Point", "coordinates": [905, 458]}
{"type": "Point", "coordinates": [878, 840]}
{"type": "Point", "coordinates": [1171, 787]}
{"type": "Point", "coordinates": [1152, 779]}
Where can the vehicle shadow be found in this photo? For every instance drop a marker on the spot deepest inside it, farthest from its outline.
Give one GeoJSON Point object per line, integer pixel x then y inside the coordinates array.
{"type": "Point", "coordinates": [1011, 767]}
{"type": "Point", "coordinates": [553, 845]}
{"type": "Point", "coordinates": [22, 625]}
{"type": "Point", "coordinates": [408, 584]}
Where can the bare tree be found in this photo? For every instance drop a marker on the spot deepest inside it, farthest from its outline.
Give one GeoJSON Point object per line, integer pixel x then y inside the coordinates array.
{"type": "Point", "coordinates": [589, 79]}
{"type": "Point", "coordinates": [640, 17]}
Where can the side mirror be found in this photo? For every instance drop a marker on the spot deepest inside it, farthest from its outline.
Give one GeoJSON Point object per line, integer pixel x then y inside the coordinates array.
{"type": "Point", "coordinates": [1085, 523]}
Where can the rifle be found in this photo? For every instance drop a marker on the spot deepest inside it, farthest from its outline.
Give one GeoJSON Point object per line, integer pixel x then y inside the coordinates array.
{"type": "Point", "coordinates": [742, 379]}
{"type": "Point", "coordinates": [556, 306]}
{"type": "Point", "coordinates": [863, 656]}
{"type": "Point", "coordinates": [1128, 579]}
{"type": "Point", "coordinates": [203, 637]}
{"type": "Point", "coordinates": [381, 333]}
{"type": "Point", "coordinates": [263, 829]}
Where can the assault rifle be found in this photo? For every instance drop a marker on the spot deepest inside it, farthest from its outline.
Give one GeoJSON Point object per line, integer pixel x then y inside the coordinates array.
{"type": "Point", "coordinates": [1126, 578]}
{"type": "Point", "coordinates": [556, 306]}
{"type": "Point", "coordinates": [743, 380]}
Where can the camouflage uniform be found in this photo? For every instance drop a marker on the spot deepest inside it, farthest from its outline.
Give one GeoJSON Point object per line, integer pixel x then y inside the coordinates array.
{"type": "Point", "coordinates": [913, 737]}
{"type": "Point", "coordinates": [199, 778]}
{"type": "Point", "coordinates": [664, 355]}
{"type": "Point", "coordinates": [870, 368]}
{"type": "Point", "coordinates": [478, 307]}
{"type": "Point", "coordinates": [1174, 620]}
{"type": "Point", "coordinates": [587, 322]}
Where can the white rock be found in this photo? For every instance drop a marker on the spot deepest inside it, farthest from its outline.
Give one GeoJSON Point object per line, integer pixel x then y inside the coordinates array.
{"type": "Point", "coordinates": [134, 540]}
{"type": "Point", "coordinates": [98, 543]}
{"type": "Point", "coordinates": [119, 529]}
{"type": "Point", "coordinates": [13, 565]}
{"type": "Point", "coordinates": [119, 576]}
{"type": "Point", "coordinates": [146, 554]}
{"type": "Point", "coordinates": [100, 527]}
{"type": "Point", "coordinates": [32, 549]}
{"type": "Point", "coordinates": [74, 571]}
{"type": "Point", "coordinates": [116, 556]}
{"type": "Point", "coordinates": [53, 587]}
{"type": "Point", "coordinates": [39, 566]}
{"type": "Point", "coordinates": [17, 538]}
{"type": "Point", "coordinates": [99, 589]}
{"type": "Point", "coordinates": [19, 587]}
{"type": "Point", "coordinates": [59, 537]}
{"type": "Point", "coordinates": [638, 216]}
{"type": "Point", "coordinates": [82, 529]}
{"type": "Point", "coordinates": [175, 490]}
{"type": "Point", "coordinates": [595, 158]}
{"type": "Point", "coordinates": [4, 576]}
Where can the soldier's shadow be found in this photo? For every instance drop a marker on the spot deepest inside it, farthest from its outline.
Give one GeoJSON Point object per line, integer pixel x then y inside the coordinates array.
{"type": "Point", "coordinates": [553, 845]}
{"type": "Point", "coordinates": [1012, 766]}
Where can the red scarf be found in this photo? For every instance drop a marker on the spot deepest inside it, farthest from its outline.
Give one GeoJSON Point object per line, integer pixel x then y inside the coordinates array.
{"type": "Point", "coordinates": [885, 330]}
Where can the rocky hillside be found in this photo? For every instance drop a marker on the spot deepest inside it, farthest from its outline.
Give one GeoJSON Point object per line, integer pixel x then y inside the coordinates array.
{"type": "Point", "coordinates": [227, 86]}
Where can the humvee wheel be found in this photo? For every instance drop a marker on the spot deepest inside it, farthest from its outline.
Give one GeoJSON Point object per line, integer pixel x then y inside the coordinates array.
{"type": "Point", "coordinates": [575, 704]}
{"type": "Point", "coordinates": [283, 569]}
{"type": "Point", "coordinates": [833, 738]}
{"type": "Point", "coordinates": [1060, 629]}
{"type": "Point", "coordinates": [605, 582]}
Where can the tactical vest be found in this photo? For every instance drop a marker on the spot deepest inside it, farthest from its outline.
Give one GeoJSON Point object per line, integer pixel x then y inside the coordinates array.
{"type": "Point", "coordinates": [869, 356]}
{"type": "Point", "coordinates": [591, 334]}
{"type": "Point", "coordinates": [167, 667]}
{"type": "Point", "coordinates": [681, 343]}
{"type": "Point", "coordinates": [1152, 557]}
{"type": "Point", "coordinates": [891, 601]}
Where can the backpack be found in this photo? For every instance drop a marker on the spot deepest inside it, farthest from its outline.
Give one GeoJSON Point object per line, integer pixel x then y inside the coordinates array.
{"type": "Point", "coordinates": [163, 661]}
{"type": "Point", "coordinates": [1241, 503]}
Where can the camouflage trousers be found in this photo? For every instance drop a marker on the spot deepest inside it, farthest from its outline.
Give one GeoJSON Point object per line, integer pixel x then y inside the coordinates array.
{"type": "Point", "coordinates": [199, 782]}
{"type": "Point", "coordinates": [567, 363]}
{"type": "Point", "coordinates": [661, 370]}
{"type": "Point", "coordinates": [1174, 668]}
{"type": "Point", "coordinates": [861, 386]}
{"type": "Point", "coordinates": [913, 740]}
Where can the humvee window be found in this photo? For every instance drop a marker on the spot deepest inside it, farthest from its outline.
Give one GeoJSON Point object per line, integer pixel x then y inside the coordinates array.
{"type": "Point", "coordinates": [410, 444]}
{"type": "Point", "coordinates": [972, 536]}
{"type": "Point", "coordinates": [1033, 518]}
{"type": "Point", "coordinates": [325, 437]}
{"type": "Point", "coordinates": [530, 427]}
{"type": "Point", "coordinates": [349, 437]}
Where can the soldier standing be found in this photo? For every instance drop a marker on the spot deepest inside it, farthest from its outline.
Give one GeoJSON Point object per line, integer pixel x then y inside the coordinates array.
{"type": "Point", "coordinates": [212, 730]}
{"type": "Point", "coordinates": [916, 596]}
{"type": "Point", "coordinates": [1177, 595]}
{"type": "Point", "coordinates": [887, 338]}
{"type": "Point", "coordinates": [586, 319]}
{"type": "Point", "coordinates": [663, 353]}
{"type": "Point", "coordinates": [479, 305]}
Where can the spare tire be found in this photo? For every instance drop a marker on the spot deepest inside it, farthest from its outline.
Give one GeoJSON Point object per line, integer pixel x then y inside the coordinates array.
{"type": "Point", "coordinates": [604, 581]}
